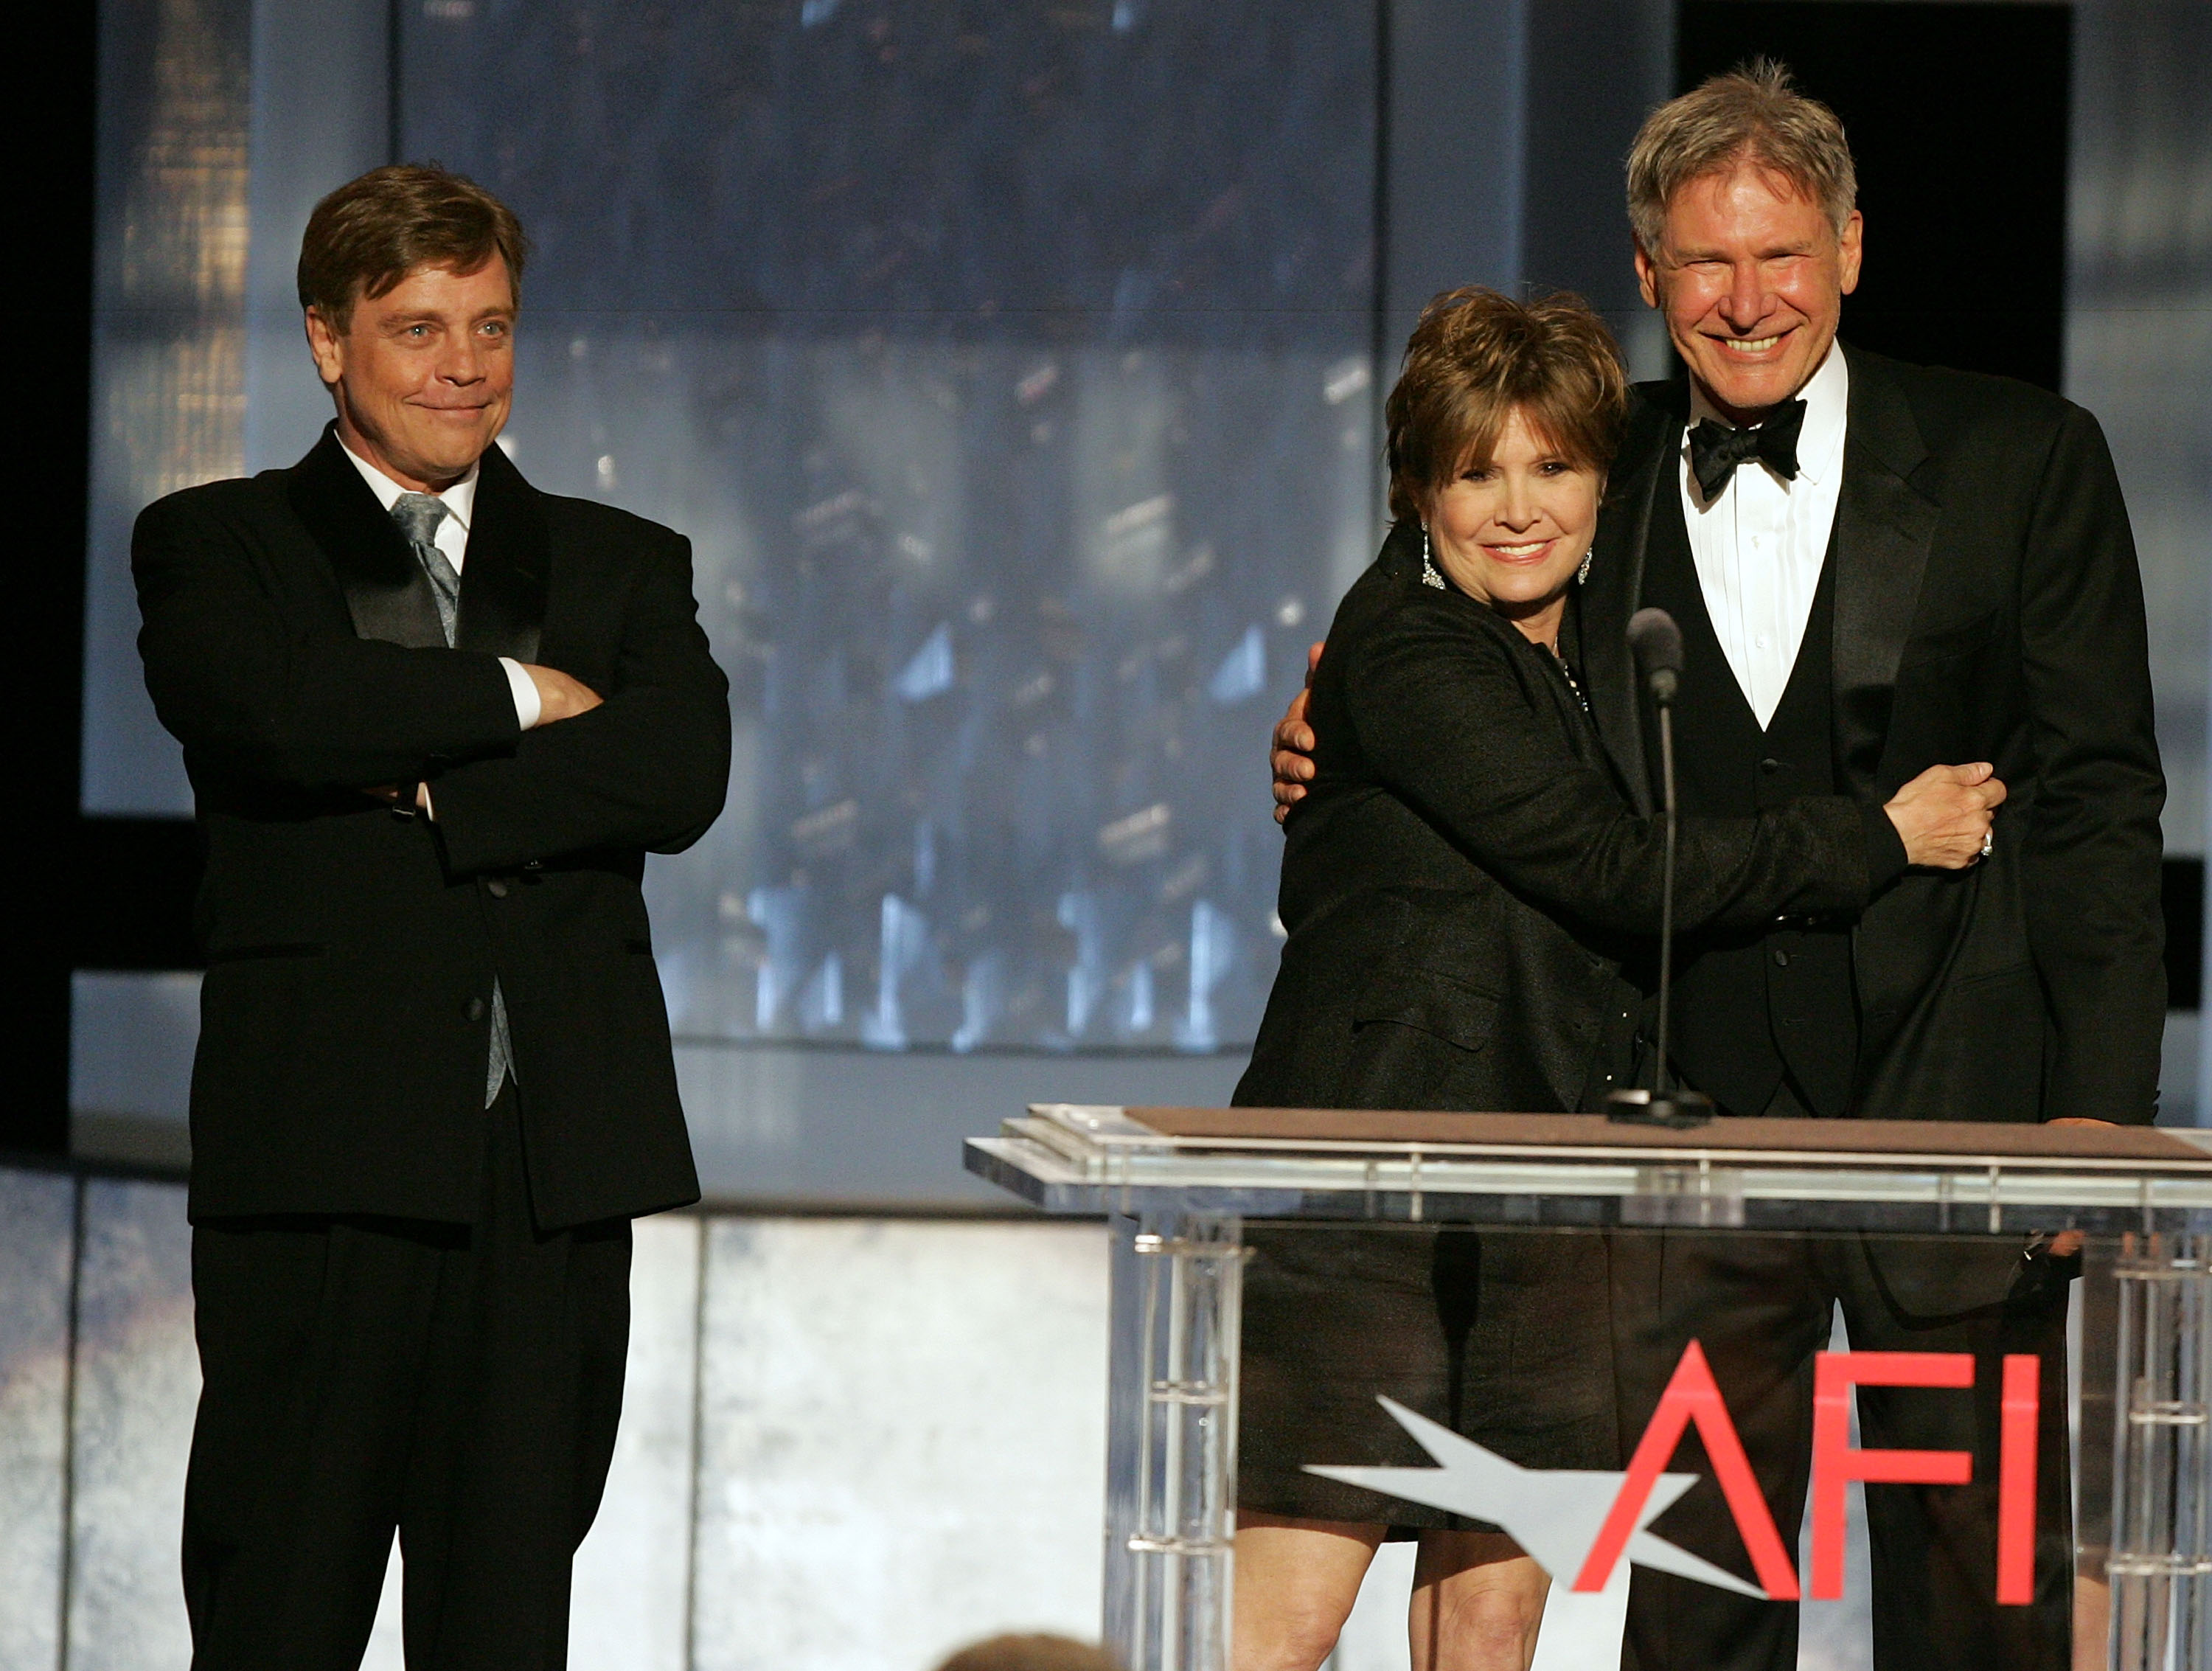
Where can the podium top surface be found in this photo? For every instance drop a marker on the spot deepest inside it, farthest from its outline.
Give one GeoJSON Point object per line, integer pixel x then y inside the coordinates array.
{"type": "Point", "coordinates": [1939, 1176]}
{"type": "Point", "coordinates": [1366, 1127]}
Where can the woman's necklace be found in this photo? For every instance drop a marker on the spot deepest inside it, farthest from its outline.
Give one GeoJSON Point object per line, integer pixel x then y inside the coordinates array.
{"type": "Point", "coordinates": [1573, 683]}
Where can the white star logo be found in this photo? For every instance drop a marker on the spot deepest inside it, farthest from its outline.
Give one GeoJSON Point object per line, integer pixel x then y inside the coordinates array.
{"type": "Point", "coordinates": [1554, 1514]}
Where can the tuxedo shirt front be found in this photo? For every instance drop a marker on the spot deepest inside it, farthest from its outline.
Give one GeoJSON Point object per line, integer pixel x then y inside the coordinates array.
{"type": "Point", "coordinates": [1759, 543]}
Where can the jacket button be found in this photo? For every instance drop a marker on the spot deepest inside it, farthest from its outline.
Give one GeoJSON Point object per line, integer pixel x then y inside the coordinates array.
{"type": "Point", "coordinates": [1770, 766]}
{"type": "Point", "coordinates": [496, 887]}
{"type": "Point", "coordinates": [1782, 960]}
{"type": "Point", "coordinates": [474, 1009]}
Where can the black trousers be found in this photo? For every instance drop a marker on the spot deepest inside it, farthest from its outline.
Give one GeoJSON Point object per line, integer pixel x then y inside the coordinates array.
{"type": "Point", "coordinates": [1761, 1307]}
{"type": "Point", "coordinates": [461, 1383]}
{"type": "Point", "coordinates": [1501, 1336]}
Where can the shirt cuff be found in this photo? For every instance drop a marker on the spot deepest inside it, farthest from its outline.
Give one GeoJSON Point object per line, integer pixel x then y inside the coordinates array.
{"type": "Point", "coordinates": [527, 708]}
{"type": "Point", "coordinates": [1885, 848]}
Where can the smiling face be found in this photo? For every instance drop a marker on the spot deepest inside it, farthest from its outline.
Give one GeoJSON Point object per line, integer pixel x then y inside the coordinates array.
{"type": "Point", "coordinates": [1511, 533]}
{"type": "Point", "coordinates": [423, 374]}
{"type": "Point", "coordinates": [1751, 277]}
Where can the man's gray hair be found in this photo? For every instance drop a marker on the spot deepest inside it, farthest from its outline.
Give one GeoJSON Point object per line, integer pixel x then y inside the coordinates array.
{"type": "Point", "coordinates": [1752, 114]}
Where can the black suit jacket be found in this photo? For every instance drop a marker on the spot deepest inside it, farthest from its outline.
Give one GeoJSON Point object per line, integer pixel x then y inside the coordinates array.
{"type": "Point", "coordinates": [291, 644]}
{"type": "Point", "coordinates": [1987, 607]}
{"type": "Point", "coordinates": [1461, 879]}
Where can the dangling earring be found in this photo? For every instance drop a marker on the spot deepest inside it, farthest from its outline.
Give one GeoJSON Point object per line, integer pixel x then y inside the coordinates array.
{"type": "Point", "coordinates": [1429, 575]}
{"type": "Point", "coordinates": [1582, 574]}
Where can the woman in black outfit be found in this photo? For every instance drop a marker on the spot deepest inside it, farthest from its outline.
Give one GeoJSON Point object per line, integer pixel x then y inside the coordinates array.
{"type": "Point", "coordinates": [1468, 894]}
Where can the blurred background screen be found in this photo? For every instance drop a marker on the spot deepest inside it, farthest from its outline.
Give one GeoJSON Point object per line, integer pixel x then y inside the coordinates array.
{"type": "Point", "coordinates": [1008, 368]}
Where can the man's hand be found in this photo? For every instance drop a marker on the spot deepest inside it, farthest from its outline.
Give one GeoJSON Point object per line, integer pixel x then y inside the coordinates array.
{"type": "Point", "coordinates": [2068, 1242]}
{"type": "Point", "coordinates": [1943, 815]}
{"type": "Point", "coordinates": [559, 696]}
{"type": "Point", "coordinates": [389, 793]}
{"type": "Point", "coordinates": [1292, 757]}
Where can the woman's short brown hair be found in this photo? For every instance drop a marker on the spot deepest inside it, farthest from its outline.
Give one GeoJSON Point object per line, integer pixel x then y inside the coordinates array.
{"type": "Point", "coordinates": [372, 232]}
{"type": "Point", "coordinates": [1474, 358]}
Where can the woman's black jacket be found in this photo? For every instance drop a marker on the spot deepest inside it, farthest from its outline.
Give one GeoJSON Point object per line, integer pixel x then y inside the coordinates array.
{"type": "Point", "coordinates": [1464, 880]}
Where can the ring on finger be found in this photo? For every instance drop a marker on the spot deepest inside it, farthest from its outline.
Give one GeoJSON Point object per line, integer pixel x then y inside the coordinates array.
{"type": "Point", "coordinates": [1989, 842]}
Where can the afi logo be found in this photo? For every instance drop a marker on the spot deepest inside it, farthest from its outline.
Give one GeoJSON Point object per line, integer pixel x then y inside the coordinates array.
{"type": "Point", "coordinates": [1579, 1522]}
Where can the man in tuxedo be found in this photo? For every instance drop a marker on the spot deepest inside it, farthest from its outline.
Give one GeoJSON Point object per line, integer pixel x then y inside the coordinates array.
{"type": "Point", "coordinates": [434, 720]}
{"type": "Point", "coordinates": [1877, 567]}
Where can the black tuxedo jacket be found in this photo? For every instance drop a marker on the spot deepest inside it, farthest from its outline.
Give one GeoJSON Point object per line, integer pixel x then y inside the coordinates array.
{"type": "Point", "coordinates": [1987, 607]}
{"type": "Point", "coordinates": [292, 645]}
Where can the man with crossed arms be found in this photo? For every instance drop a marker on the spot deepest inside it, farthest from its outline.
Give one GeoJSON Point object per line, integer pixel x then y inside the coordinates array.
{"type": "Point", "coordinates": [434, 720]}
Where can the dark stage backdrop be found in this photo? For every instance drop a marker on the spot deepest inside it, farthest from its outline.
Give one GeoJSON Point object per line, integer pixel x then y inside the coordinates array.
{"type": "Point", "coordinates": [1957, 115]}
{"type": "Point", "coordinates": [48, 117]}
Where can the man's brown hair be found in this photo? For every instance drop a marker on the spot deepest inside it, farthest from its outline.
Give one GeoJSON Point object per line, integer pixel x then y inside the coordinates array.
{"type": "Point", "coordinates": [372, 232]}
{"type": "Point", "coordinates": [1754, 114]}
{"type": "Point", "coordinates": [1474, 359]}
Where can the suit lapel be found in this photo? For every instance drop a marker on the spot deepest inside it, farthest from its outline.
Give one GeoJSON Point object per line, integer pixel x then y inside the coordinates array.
{"type": "Point", "coordinates": [386, 593]}
{"type": "Point", "coordinates": [1884, 529]}
{"type": "Point", "coordinates": [503, 581]}
{"type": "Point", "coordinates": [1615, 589]}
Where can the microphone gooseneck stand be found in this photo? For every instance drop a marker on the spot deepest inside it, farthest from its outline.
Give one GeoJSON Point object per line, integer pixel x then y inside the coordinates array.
{"type": "Point", "coordinates": [1657, 642]}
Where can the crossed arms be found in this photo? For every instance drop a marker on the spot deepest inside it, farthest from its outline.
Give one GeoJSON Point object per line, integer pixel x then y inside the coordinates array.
{"type": "Point", "coordinates": [285, 697]}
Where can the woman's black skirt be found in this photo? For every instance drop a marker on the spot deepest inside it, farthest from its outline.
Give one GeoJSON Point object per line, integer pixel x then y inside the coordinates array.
{"type": "Point", "coordinates": [1502, 1336]}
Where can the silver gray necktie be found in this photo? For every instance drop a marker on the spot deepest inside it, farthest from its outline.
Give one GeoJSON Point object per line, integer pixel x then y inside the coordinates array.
{"type": "Point", "coordinates": [418, 515]}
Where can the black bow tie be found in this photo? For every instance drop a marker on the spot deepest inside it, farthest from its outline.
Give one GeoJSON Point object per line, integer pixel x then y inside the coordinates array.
{"type": "Point", "coordinates": [1715, 450]}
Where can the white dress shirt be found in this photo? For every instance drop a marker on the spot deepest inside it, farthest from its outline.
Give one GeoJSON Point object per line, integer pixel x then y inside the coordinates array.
{"type": "Point", "coordinates": [453, 540]}
{"type": "Point", "coordinates": [1759, 544]}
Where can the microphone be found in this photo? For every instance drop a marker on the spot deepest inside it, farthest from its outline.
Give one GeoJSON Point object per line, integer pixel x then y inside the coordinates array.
{"type": "Point", "coordinates": [1656, 643]}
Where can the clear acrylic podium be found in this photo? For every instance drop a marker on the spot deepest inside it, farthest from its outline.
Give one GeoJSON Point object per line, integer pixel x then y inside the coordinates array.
{"type": "Point", "coordinates": [1178, 1185]}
